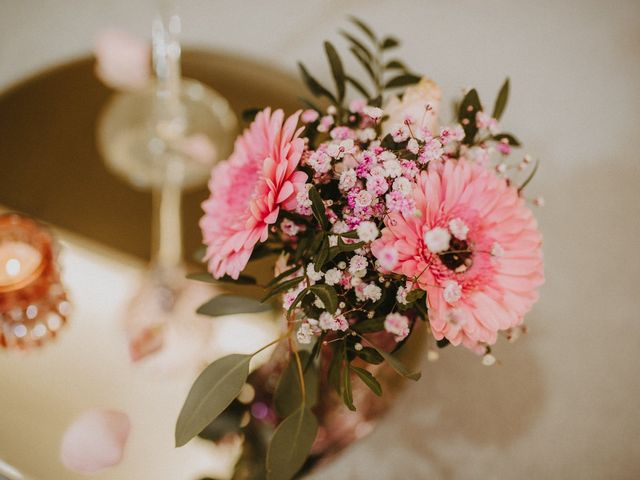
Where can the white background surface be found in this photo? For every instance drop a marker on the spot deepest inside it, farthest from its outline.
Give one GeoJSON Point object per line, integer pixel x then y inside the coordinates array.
{"type": "Point", "coordinates": [565, 401]}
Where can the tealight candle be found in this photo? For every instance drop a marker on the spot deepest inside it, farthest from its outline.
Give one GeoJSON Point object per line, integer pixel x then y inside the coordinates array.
{"type": "Point", "coordinates": [33, 303]}
{"type": "Point", "coordinates": [19, 264]}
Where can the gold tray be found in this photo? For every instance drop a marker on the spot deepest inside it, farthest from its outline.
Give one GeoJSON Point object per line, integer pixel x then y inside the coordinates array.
{"type": "Point", "coordinates": [50, 167]}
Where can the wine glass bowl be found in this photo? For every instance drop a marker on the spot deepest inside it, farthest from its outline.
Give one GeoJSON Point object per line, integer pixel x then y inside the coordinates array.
{"type": "Point", "coordinates": [147, 153]}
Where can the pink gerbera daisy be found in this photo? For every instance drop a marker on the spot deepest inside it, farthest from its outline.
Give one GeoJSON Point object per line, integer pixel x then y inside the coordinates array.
{"type": "Point", "coordinates": [248, 190]}
{"type": "Point", "coordinates": [473, 246]}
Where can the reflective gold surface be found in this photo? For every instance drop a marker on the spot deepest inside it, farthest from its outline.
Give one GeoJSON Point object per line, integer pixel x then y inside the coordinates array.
{"type": "Point", "coordinates": [50, 167]}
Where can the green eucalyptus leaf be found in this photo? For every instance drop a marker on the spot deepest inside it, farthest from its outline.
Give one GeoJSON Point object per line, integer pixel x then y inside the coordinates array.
{"type": "Point", "coordinates": [335, 367]}
{"type": "Point", "coordinates": [510, 138]}
{"type": "Point", "coordinates": [389, 42]}
{"type": "Point", "coordinates": [501, 100]}
{"type": "Point", "coordinates": [397, 365]}
{"type": "Point", "coordinates": [368, 379]}
{"type": "Point", "coordinates": [231, 304]}
{"type": "Point", "coordinates": [365, 28]}
{"type": "Point", "coordinates": [317, 206]}
{"type": "Point", "coordinates": [370, 355]}
{"type": "Point", "coordinates": [314, 86]}
{"type": "Point", "coordinates": [327, 294]}
{"type": "Point", "coordinates": [291, 443]}
{"type": "Point", "coordinates": [287, 397]}
{"type": "Point", "coordinates": [347, 391]}
{"type": "Point", "coordinates": [369, 325]}
{"type": "Point", "coordinates": [212, 392]}
{"type": "Point", "coordinates": [403, 80]}
{"type": "Point", "coordinates": [336, 69]}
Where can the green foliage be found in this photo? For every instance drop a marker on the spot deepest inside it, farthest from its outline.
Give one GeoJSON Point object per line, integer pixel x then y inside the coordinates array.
{"type": "Point", "coordinates": [397, 365]}
{"type": "Point", "coordinates": [291, 443]}
{"type": "Point", "coordinates": [510, 138]}
{"type": "Point", "coordinates": [287, 396]}
{"type": "Point", "coordinates": [501, 100]}
{"type": "Point", "coordinates": [368, 379]}
{"type": "Point", "coordinates": [317, 206]}
{"type": "Point", "coordinates": [212, 392]}
{"type": "Point", "coordinates": [336, 70]}
{"type": "Point", "coordinates": [469, 106]}
{"type": "Point", "coordinates": [282, 287]}
{"type": "Point", "coordinates": [327, 294]}
{"type": "Point", "coordinates": [227, 304]}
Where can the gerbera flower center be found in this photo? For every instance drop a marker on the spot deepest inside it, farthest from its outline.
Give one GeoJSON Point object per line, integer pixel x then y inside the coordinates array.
{"type": "Point", "coordinates": [459, 256]}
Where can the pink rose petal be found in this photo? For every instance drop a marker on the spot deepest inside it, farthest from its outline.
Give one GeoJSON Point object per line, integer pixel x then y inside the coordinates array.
{"type": "Point", "coordinates": [95, 440]}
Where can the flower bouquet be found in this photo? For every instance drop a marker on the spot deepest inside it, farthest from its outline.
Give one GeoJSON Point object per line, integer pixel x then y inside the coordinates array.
{"type": "Point", "coordinates": [383, 221]}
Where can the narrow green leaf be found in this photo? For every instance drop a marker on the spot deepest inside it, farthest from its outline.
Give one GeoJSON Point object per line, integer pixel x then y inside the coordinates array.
{"type": "Point", "coordinates": [513, 141]}
{"type": "Point", "coordinates": [397, 365]}
{"type": "Point", "coordinates": [303, 293]}
{"type": "Point", "coordinates": [501, 100]}
{"type": "Point", "coordinates": [322, 255]}
{"type": "Point", "coordinates": [347, 391]}
{"type": "Point", "coordinates": [351, 234]}
{"type": "Point", "coordinates": [369, 325]}
{"type": "Point", "coordinates": [358, 86]}
{"type": "Point", "coordinates": [366, 63]}
{"type": "Point", "coordinates": [365, 28]}
{"type": "Point", "coordinates": [282, 287]}
{"type": "Point", "coordinates": [231, 304]}
{"type": "Point", "coordinates": [368, 379]}
{"type": "Point", "coordinates": [327, 295]}
{"type": "Point", "coordinates": [403, 80]}
{"type": "Point", "coordinates": [317, 206]}
{"type": "Point", "coordinates": [390, 42]}
{"type": "Point", "coordinates": [287, 396]}
{"type": "Point", "coordinates": [212, 392]}
{"type": "Point", "coordinates": [469, 106]}
{"type": "Point", "coordinates": [336, 69]}
{"type": "Point", "coordinates": [357, 44]}
{"type": "Point", "coordinates": [314, 86]}
{"type": "Point", "coordinates": [335, 367]}
{"type": "Point", "coordinates": [530, 177]}
{"type": "Point", "coordinates": [395, 65]}
{"type": "Point", "coordinates": [291, 443]}
{"type": "Point", "coordinates": [370, 355]}
{"type": "Point", "coordinates": [283, 275]}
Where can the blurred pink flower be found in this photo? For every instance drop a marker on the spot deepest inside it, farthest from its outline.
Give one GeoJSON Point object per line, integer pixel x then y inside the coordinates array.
{"type": "Point", "coordinates": [123, 62]}
{"type": "Point", "coordinates": [95, 440]}
{"type": "Point", "coordinates": [484, 283]}
{"type": "Point", "coordinates": [248, 190]}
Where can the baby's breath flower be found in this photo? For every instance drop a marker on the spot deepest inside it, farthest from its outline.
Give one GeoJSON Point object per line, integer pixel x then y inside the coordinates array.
{"type": "Point", "coordinates": [368, 231]}
{"type": "Point", "coordinates": [437, 239]}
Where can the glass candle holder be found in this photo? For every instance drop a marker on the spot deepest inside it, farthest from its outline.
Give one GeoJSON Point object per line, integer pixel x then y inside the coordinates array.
{"type": "Point", "coordinates": [33, 303]}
